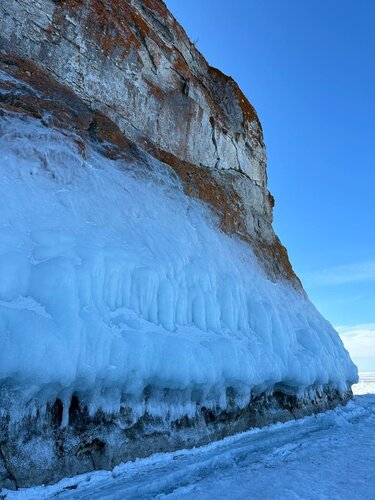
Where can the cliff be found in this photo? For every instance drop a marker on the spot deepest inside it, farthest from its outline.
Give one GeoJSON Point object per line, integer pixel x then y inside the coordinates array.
{"type": "Point", "coordinates": [146, 303]}
{"type": "Point", "coordinates": [131, 62]}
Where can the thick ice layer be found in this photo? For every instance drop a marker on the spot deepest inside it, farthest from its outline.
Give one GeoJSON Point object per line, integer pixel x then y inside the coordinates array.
{"type": "Point", "coordinates": [117, 287]}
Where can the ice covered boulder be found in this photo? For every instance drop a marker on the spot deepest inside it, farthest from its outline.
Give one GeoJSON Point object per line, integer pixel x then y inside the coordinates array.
{"type": "Point", "coordinates": [145, 301]}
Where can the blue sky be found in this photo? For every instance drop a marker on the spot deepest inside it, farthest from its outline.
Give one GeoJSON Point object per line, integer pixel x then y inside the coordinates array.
{"type": "Point", "coordinates": [308, 67]}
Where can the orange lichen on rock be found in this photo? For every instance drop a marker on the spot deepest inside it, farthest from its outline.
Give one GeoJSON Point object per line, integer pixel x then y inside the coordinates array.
{"type": "Point", "coordinates": [201, 183]}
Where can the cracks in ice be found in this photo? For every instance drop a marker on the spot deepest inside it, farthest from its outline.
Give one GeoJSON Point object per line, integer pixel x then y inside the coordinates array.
{"type": "Point", "coordinates": [214, 142]}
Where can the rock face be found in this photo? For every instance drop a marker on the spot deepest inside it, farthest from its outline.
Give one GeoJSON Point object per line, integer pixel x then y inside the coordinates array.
{"type": "Point", "coordinates": [133, 63]}
{"type": "Point", "coordinates": [120, 78]}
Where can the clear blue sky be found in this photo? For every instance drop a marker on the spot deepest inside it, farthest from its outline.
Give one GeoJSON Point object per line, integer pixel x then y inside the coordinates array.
{"type": "Point", "coordinates": [308, 67]}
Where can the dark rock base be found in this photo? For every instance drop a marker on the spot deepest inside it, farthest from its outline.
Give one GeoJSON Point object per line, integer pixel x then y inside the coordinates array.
{"type": "Point", "coordinates": [39, 450]}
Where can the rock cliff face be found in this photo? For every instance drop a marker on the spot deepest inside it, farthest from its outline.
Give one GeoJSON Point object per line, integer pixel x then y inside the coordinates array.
{"type": "Point", "coordinates": [87, 83]}
{"type": "Point", "coordinates": [132, 62]}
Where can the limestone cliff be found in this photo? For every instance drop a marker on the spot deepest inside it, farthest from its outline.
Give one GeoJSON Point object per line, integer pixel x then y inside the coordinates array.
{"type": "Point", "coordinates": [132, 62]}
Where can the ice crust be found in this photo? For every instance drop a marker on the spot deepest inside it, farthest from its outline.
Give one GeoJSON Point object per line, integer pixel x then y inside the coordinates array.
{"type": "Point", "coordinates": [118, 288]}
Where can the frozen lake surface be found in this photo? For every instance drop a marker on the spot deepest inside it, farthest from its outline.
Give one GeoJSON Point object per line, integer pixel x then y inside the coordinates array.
{"type": "Point", "coordinates": [327, 456]}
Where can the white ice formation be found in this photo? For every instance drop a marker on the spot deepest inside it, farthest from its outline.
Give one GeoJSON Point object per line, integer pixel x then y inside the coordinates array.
{"type": "Point", "coordinates": [115, 285]}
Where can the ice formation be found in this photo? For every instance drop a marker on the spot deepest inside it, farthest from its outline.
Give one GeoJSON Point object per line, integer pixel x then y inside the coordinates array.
{"type": "Point", "coordinates": [118, 288]}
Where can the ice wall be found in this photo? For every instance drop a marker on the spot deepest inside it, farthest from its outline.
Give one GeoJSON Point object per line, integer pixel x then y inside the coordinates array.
{"type": "Point", "coordinates": [118, 288]}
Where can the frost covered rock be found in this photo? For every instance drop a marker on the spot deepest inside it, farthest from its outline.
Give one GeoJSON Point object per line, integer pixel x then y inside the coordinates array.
{"type": "Point", "coordinates": [131, 61]}
{"type": "Point", "coordinates": [145, 302]}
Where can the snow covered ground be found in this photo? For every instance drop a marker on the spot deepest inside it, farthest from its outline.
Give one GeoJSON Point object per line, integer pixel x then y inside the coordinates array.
{"type": "Point", "coordinates": [327, 456]}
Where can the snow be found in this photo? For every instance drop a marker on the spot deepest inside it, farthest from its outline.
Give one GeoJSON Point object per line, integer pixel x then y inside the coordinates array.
{"type": "Point", "coordinates": [366, 384]}
{"type": "Point", "coordinates": [113, 283]}
{"type": "Point", "coordinates": [326, 456]}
